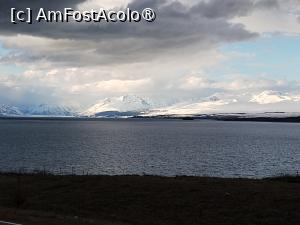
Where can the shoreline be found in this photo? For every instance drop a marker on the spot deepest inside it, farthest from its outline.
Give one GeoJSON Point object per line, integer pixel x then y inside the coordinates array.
{"type": "Point", "coordinates": [224, 118]}
{"type": "Point", "coordinates": [148, 200]}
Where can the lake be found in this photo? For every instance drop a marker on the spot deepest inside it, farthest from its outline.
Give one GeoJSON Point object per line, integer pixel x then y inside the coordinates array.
{"type": "Point", "coordinates": [156, 147]}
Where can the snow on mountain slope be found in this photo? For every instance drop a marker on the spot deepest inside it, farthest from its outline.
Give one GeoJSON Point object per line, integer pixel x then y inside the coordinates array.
{"type": "Point", "coordinates": [128, 103]}
{"type": "Point", "coordinates": [132, 105]}
{"type": "Point", "coordinates": [267, 101]}
{"type": "Point", "coordinates": [48, 110]}
{"type": "Point", "coordinates": [270, 97]}
{"type": "Point", "coordinates": [207, 105]}
{"type": "Point", "coordinates": [6, 110]}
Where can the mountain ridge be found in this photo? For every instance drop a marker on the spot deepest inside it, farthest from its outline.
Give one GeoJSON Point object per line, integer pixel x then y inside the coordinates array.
{"type": "Point", "coordinates": [133, 105]}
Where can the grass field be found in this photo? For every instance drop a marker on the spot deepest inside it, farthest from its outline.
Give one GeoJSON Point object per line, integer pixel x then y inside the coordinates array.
{"type": "Point", "coordinates": [147, 200]}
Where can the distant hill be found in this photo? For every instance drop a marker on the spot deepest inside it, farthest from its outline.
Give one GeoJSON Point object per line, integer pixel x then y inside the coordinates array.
{"type": "Point", "coordinates": [136, 106]}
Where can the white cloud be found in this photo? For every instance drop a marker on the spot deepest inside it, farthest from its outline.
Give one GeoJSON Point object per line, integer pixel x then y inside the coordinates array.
{"type": "Point", "coordinates": [283, 19]}
{"type": "Point", "coordinates": [168, 58]}
{"type": "Point", "coordinates": [112, 86]}
{"type": "Point", "coordinates": [108, 4]}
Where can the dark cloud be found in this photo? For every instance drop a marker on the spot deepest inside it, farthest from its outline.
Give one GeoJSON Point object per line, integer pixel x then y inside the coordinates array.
{"type": "Point", "coordinates": [230, 8]}
{"type": "Point", "coordinates": [36, 29]}
{"type": "Point", "coordinates": [174, 20]}
{"type": "Point", "coordinates": [204, 25]}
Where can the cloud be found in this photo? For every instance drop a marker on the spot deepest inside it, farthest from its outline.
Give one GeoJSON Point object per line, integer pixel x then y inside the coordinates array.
{"type": "Point", "coordinates": [86, 85]}
{"type": "Point", "coordinates": [85, 62]}
{"type": "Point", "coordinates": [177, 27]}
{"type": "Point", "coordinates": [284, 18]}
{"type": "Point", "coordinates": [236, 83]}
{"type": "Point", "coordinates": [112, 86]}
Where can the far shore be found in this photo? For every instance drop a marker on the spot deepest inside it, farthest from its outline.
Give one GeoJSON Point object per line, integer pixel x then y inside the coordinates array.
{"type": "Point", "coordinates": [35, 199]}
{"type": "Point", "coordinates": [220, 117]}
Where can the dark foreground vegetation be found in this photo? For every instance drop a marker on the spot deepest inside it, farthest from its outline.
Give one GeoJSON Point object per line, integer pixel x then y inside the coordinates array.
{"type": "Point", "coordinates": [262, 119]}
{"type": "Point", "coordinates": [134, 200]}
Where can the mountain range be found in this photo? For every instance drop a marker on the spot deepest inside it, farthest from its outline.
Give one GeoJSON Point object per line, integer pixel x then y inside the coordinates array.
{"type": "Point", "coordinates": [133, 105]}
{"type": "Point", "coordinates": [43, 110]}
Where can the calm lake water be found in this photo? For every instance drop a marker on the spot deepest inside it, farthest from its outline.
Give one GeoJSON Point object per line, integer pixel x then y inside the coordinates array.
{"type": "Point", "coordinates": [157, 147]}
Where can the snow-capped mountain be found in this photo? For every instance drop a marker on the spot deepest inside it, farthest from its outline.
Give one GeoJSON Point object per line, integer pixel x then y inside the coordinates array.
{"type": "Point", "coordinates": [266, 101]}
{"type": "Point", "coordinates": [130, 104]}
{"type": "Point", "coordinates": [207, 105]}
{"type": "Point", "coordinates": [7, 110]}
{"type": "Point", "coordinates": [270, 97]}
{"type": "Point", "coordinates": [47, 110]}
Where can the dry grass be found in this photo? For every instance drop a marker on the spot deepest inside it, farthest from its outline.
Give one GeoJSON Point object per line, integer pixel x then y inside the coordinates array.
{"type": "Point", "coordinates": [148, 200]}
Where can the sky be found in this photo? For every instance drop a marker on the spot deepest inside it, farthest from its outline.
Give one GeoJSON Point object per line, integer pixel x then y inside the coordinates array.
{"type": "Point", "coordinates": [193, 49]}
